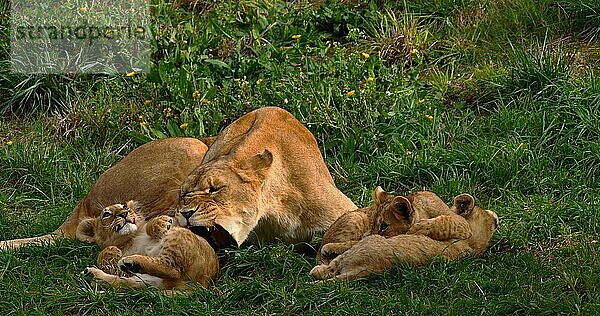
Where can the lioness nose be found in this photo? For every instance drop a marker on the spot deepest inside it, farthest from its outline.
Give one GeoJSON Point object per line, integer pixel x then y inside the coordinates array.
{"type": "Point", "coordinates": [187, 214]}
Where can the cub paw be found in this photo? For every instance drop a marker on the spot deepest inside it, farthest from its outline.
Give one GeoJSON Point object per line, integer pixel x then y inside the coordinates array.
{"type": "Point", "coordinates": [91, 272]}
{"type": "Point", "coordinates": [159, 226]}
{"type": "Point", "coordinates": [328, 251]}
{"type": "Point", "coordinates": [164, 222]}
{"type": "Point", "coordinates": [128, 264]}
{"type": "Point", "coordinates": [321, 272]}
{"type": "Point", "coordinates": [422, 227]}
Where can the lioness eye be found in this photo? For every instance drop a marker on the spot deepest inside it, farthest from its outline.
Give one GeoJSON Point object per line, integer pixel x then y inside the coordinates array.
{"type": "Point", "coordinates": [213, 189]}
{"type": "Point", "coordinates": [383, 227]}
{"type": "Point", "coordinates": [106, 214]}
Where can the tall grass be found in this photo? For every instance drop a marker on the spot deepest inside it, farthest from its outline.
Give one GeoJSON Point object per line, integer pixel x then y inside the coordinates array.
{"type": "Point", "coordinates": [497, 99]}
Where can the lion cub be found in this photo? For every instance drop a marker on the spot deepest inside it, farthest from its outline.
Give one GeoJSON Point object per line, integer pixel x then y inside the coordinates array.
{"type": "Point", "coordinates": [152, 253]}
{"type": "Point", "coordinates": [420, 213]}
{"type": "Point", "coordinates": [376, 254]}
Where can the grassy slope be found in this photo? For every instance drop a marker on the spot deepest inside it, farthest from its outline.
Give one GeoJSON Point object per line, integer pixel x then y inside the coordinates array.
{"type": "Point", "coordinates": [498, 100]}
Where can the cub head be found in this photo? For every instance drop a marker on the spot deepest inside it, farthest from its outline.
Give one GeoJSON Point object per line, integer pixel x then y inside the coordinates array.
{"type": "Point", "coordinates": [220, 199]}
{"type": "Point", "coordinates": [116, 225]}
{"type": "Point", "coordinates": [483, 222]}
{"type": "Point", "coordinates": [393, 215]}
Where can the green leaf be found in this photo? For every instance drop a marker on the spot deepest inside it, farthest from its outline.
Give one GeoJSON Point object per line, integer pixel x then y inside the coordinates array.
{"type": "Point", "coordinates": [139, 138]}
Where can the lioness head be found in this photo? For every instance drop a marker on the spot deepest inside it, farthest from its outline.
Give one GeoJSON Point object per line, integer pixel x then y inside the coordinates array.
{"type": "Point", "coordinates": [220, 200]}
{"type": "Point", "coordinates": [483, 222]}
{"type": "Point", "coordinates": [393, 214]}
{"type": "Point", "coordinates": [116, 225]}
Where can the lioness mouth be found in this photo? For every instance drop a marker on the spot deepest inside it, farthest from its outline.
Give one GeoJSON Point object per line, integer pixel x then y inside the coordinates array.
{"type": "Point", "coordinates": [217, 236]}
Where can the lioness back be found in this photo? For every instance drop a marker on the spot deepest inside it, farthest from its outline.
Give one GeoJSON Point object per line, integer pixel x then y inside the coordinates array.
{"type": "Point", "coordinates": [151, 174]}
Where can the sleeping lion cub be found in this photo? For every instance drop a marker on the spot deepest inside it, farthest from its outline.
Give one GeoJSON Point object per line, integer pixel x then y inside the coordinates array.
{"type": "Point", "coordinates": [376, 254]}
{"type": "Point", "coordinates": [138, 254]}
{"type": "Point", "coordinates": [420, 213]}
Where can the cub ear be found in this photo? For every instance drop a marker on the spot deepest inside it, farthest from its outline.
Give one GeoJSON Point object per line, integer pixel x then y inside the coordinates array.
{"type": "Point", "coordinates": [86, 230]}
{"type": "Point", "coordinates": [464, 204]}
{"type": "Point", "coordinates": [402, 208]}
{"type": "Point", "coordinates": [257, 162]}
{"type": "Point", "coordinates": [379, 195]}
{"type": "Point", "coordinates": [133, 205]}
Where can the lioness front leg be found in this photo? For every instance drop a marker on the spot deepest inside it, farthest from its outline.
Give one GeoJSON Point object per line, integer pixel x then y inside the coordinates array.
{"type": "Point", "coordinates": [108, 260]}
{"type": "Point", "coordinates": [334, 249]}
{"type": "Point", "coordinates": [158, 227]}
{"type": "Point", "coordinates": [149, 265]}
{"type": "Point", "coordinates": [443, 227]}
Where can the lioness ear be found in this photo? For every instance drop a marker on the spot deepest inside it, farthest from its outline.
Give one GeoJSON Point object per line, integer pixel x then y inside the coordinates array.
{"type": "Point", "coordinates": [464, 204]}
{"type": "Point", "coordinates": [379, 195]}
{"type": "Point", "coordinates": [402, 207]}
{"type": "Point", "coordinates": [257, 162]}
{"type": "Point", "coordinates": [86, 230]}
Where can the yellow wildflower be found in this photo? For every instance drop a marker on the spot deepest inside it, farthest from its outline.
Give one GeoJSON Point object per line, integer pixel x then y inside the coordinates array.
{"type": "Point", "coordinates": [109, 111]}
{"type": "Point", "coordinates": [259, 81]}
{"type": "Point", "coordinates": [421, 101]}
{"type": "Point", "coordinates": [429, 117]}
{"type": "Point", "coordinates": [366, 55]}
{"type": "Point", "coordinates": [143, 123]}
{"type": "Point", "coordinates": [183, 126]}
{"type": "Point", "coordinates": [414, 51]}
{"type": "Point", "coordinates": [147, 102]}
{"type": "Point", "coordinates": [130, 74]}
{"type": "Point", "coordinates": [370, 79]}
{"type": "Point", "coordinates": [9, 143]}
{"type": "Point", "coordinates": [297, 36]}
{"type": "Point", "coordinates": [168, 112]}
{"type": "Point", "coordinates": [206, 101]}
{"type": "Point", "coordinates": [140, 30]}
{"type": "Point", "coordinates": [196, 94]}
{"type": "Point", "coordinates": [83, 9]}
{"type": "Point", "coordinates": [350, 93]}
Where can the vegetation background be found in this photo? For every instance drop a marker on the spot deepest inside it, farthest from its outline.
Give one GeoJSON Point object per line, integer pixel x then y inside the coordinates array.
{"type": "Point", "coordinates": [498, 98]}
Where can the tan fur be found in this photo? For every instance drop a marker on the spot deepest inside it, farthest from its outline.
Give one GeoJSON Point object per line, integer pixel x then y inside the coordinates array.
{"type": "Point", "coordinates": [420, 213]}
{"type": "Point", "coordinates": [150, 174]}
{"type": "Point", "coordinates": [263, 179]}
{"type": "Point", "coordinates": [155, 253]}
{"type": "Point", "coordinates": [272, 178]}
{"type": "Point", "coordinates": [376, 254]}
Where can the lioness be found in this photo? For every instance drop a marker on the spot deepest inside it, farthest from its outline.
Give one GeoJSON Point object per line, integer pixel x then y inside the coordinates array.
{"type": "Point", "coordinates": [420, 213]}
{"type": "Point", "coordinates": [156, 252]}
{"type": "Point", "coordinates": [376, 254]}
{"type": "Point", "coordinates": [151, 174]}
{"type": "Point", "coordinates": [262, 178]}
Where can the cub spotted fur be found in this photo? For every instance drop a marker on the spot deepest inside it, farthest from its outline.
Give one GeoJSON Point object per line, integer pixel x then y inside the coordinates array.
{"type": "Point", "coordinates": [376, 254]}
{"type": "Point", "coordinates": [137, 253]}
{"type": "Point", "coordinates": [420, 213]}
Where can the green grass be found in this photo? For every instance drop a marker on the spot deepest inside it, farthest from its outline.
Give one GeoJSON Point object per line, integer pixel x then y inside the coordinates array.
{"type": "Point", "coordinates": [497, 99]}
